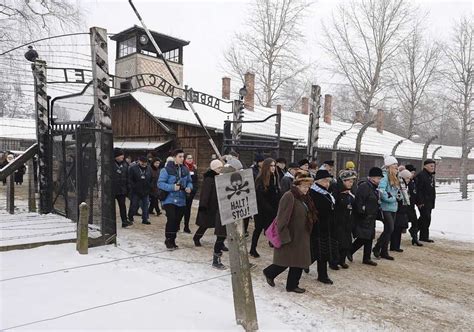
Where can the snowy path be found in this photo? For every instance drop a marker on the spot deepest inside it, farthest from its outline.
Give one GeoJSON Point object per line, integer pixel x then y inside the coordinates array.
{"type": "Point", "coordinates": [429, 288]}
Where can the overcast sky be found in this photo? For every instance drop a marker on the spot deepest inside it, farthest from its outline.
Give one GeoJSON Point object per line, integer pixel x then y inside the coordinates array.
{"type": "Point", "coordinates": [209, 26]}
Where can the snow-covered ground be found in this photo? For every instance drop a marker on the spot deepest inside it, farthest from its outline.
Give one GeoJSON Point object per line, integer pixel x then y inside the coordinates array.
{"type": "Point", "coordinates": [139, 285]}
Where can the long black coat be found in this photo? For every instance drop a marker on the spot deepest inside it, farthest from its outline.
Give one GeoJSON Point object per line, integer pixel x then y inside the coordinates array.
{"type": "Point", "coordinates": [208, 213]}
{"type": "Point", "coordinates": [323, 236]}
{"type": "Point", "coordinates": [267, 202]}
{"type": "Point", "coordinates": [120, 185]}
{"type": "Point", "coordinates": [138, 185]}
{"type": "Point", "coordinates": [425, 189]}
{"type": "Point", "coordinates": [344, 219]}
{"type": "Point", "coordinates": [366, 209]}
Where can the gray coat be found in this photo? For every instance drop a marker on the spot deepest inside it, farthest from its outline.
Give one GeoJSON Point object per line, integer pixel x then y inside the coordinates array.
{"type": "Point", "coordinates": [292, 218]}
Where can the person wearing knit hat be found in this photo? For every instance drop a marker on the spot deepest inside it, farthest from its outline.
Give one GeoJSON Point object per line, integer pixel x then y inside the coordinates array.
{"type": "Point", "coordinates": [389, 191]}
{"type": "Point", "coordinates": [323, 237]}
{"type": "Point", "coordinates": [304, 164]}
{"type": "Point", "coordinates": [425, 197]}
{"type": "Point", "coordinates": [344, 219]}
{"type": "Point", "coordinates": [120, 184]}
{"type": "Point", "coordinates": [366, 208]}
{"type": "Point", "coordinates": [208, 213]}
{"type": "Point", "coordinates": [350, 165]}
{"type": "Point", "coordinates": [401, 218]}
{"type": "Point", "coordinates": [390, 160]}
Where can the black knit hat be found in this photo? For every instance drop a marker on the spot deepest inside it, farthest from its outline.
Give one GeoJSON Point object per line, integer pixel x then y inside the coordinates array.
{"type": "Point", "coordinates": [329, 162]}
{"type": "Point", "coordinates": [375, 171]}
{"type": "Point", "coordinates": [303, 162]}
{"type": "Point", "coordinates": [142, 158]}
{"type": "Point", "coordinates": [322, 174]}
{"type": "Point", "coordinates": [410, 167]}
{"type": "Point", "coordinates": [117, 152]}
{"type": "Point", "coordinates": [429, 161]}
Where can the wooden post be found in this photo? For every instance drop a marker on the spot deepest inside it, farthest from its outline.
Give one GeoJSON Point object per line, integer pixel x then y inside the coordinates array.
{"type": "Point", "coordinates": [31, 187]}
{"type": "Point", "coordinates": [313, 131]}
{"type": "Point", "coordinates": [244, 301]}
{"type": "Point", "coordinates": [82, 240]}
{"type": "Point", "coordinates": [11, 194]}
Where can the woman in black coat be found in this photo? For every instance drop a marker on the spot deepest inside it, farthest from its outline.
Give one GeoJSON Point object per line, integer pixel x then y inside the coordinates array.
{"type": "Point", "coordinates": [323, 237]}
{"type": "Point", "coordinates": [267, 187]}
{"type": "Point", "coordinates": [344, 223]}
{"type": "Point", "coordinates": [366, 209]}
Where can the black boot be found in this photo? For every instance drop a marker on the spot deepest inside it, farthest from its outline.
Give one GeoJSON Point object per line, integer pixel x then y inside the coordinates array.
{"type": "Point", "coordinates": [369, 262]}
{"type": "Point", "coordinates": [197, 241]}
{"type": "Point", "coordinates": [224, 248]}
{"type": "Point", "coordinates": [376, 251]}
{"type": "Point", "coordinates": [253, 252]}
{"type": "Point", "coordinates": [416, 243]}
{"type": "Point", "coordinates": [169, 244]}
{"type": "Point", "coordinates": [186, 229]}
{"type": "Point", "coordinates": [216, 261]}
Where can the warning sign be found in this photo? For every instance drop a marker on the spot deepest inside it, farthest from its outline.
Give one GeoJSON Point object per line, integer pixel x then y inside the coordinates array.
{"type": "Point", "coordinates": [236, 196]}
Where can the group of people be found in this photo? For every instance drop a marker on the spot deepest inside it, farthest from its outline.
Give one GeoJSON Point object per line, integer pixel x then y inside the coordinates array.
{"type": "Point", "coordinates": [321, 217]}
{"type": "Point", "coordinates": [6, 158]}
{"type": "Point", "coordinates": [326, 219]}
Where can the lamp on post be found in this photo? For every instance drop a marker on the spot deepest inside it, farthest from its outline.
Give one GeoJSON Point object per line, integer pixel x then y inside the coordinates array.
{"type": "Point", "coordinates": [359, 142]}
{"type": "Point", "coordinates": [395, 147]}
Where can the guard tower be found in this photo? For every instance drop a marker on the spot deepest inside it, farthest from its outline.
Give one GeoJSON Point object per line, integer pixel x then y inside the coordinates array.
{"type": "Point", "coordinates": [135, 54]}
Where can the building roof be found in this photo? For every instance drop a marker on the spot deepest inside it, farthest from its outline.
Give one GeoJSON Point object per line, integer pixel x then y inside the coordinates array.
{"type": "Point", "coordinates": [294, 127]}
{"type": "Point", "coordinates": [17, 129]}
{"type": "Point", "coordinates": [165, 42]}
{"type": "Point", "coordinates": [138, 145]}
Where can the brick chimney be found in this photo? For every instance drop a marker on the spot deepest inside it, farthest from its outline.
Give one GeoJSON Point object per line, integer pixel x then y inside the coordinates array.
{"type": "Point", "coordinates": [379, 121]}
{"type": "Point", "coordinates": [305, 105]}
{"type": "Point", "coordinates": [249, 99]}
{"type": "Point", "coordinates": [358, 117]}
{"type": "Point", "coordinates": [226, 87]}
{"type": "Point", "coordinates": [328, 109]}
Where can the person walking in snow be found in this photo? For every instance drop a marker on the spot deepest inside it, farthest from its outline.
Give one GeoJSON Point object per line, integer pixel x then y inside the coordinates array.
{"type": "Point", "coordinates": [281, 167]}
{"type": "Point", "coordinates": [426, 197]}
{"type": "Point", "coordinates": [175, 181]}
{"type": "Point", "coordinates": [401, 219]}
{"type": "Point", "coordinates": [296, 217]}
{"type": "Point", "coordinates": [323, 236]}
{"type": "Point", "coordinates": [389, 191]}
{"type": "Point", "coordinates": [411, 211]}
{"type": "Point", "coordinates": [193, 172]}
{"type": "Point", "coordinates": [267, 189]}
{"type": "Point", "coordinates": [287, 181]}
{"type": "Point", "coordinates": [154, 196]}
{"type": "Point", "coordinates": [343, 208]}
{"type": "Point", "coordinates": [120, 184]}
{"type": "Point", "coordinates": [140, 180]}
{"type": "Point", "coordinates": [366, 210]}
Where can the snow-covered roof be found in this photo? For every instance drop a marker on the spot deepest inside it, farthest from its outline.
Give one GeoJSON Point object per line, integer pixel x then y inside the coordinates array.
{"type": "Point", "coordinates": [15, 128]}
{"type": "Point", "coordinates": [295, 127]}
{"type": "Point", "coordinates": [138, 145]}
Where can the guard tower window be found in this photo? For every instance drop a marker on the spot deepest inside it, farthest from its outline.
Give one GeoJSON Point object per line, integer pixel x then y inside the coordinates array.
{"type": "Point", "coordinates": [127, 47]}
{"type": "Point", "coordinates": [172, 55]}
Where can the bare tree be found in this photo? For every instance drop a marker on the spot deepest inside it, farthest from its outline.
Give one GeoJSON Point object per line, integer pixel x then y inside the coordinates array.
{"type": "Point", "coordinates": [362, 39]}
{"type": "Point", "coordinates": [269, 48]}
{"type": "Point", "coordinates": [459, 75]}
{"type": "Point", "coordinates": [415, 73]}
{"type": "Point", "coordinates": [22, 21]}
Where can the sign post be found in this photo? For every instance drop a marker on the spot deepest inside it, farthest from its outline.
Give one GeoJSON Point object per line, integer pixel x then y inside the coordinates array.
{"type": "Point", "coordinates": [237, 200]}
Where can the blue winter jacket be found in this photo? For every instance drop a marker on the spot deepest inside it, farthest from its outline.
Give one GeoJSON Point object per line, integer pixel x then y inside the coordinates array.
{"type": "Point", "coordinates": [388, 195]}
{"type": "Point", "coordinates": [170, 175]}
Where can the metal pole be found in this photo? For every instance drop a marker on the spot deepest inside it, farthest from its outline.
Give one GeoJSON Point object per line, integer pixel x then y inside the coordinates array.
{"type": "Point", "coordinates": [31, 187]}
{"type": "Point", "coordinates": [359, 144]}
{"type": "Point", "coordinates": [11, 194]}
{"type": "Point", "coordinates": [334, 148]}
{"type": "Point", "coordinates": [44, 148]}
{"type": "Point", "coordinates": [425, 149]}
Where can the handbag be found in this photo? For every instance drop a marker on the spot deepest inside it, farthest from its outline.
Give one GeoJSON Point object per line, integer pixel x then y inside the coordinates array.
{"type": "Point", "coordinates": [272, 234]}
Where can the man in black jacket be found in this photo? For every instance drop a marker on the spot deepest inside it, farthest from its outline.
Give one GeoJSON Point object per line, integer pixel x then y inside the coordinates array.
{"type": "Point", "coordinates": [140, 179]}
{"type": "Point", "coordinates": [366, 209]}
{"type": "Point", "coordinates": [426, 196]}
{"type": "Point", "coordinates": [120, 184]}
{"type": "Point", "coordinates": [411, 212]}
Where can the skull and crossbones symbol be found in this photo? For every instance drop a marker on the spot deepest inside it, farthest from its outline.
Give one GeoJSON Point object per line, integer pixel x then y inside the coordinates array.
{"type": "Point", "coordinates": [237, 186]}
